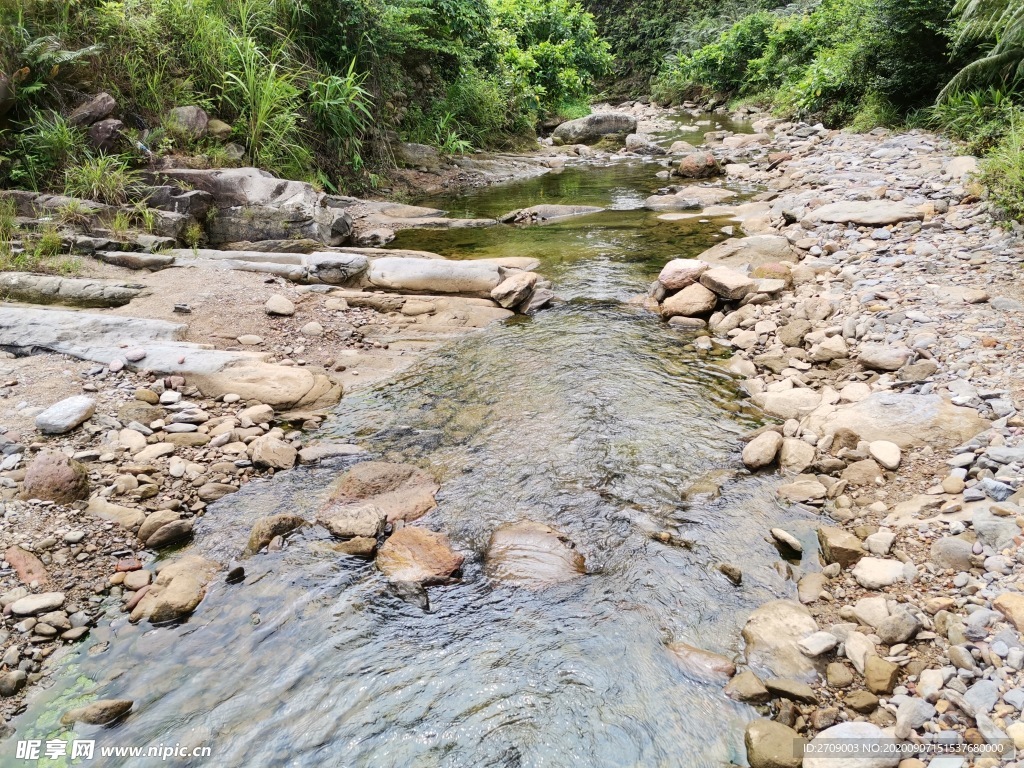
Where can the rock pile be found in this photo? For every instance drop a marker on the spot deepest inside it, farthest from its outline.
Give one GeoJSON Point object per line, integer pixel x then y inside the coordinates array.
{"type": "Point", "coordinates": [888, 355]}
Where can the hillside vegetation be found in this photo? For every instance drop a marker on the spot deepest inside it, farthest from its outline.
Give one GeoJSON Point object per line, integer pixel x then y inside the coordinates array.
{"type": "Point", "coordinates": [857, 63]}
{"type": "Point", "coordinates": [310, 88]}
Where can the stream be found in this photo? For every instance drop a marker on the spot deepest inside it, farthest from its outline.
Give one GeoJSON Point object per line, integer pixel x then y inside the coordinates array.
{"type": "Point", "coordinates": [593, 417]}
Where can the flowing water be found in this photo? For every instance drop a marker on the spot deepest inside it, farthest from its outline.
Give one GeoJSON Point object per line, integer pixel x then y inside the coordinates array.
{"type": "Point", "coordinates": [593, 417]}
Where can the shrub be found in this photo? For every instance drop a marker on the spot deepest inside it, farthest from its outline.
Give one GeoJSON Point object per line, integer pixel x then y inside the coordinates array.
{"type": "Point", "coordinates": [980, 118]}
{"type": "Point", "coordinates": [838, 60]}
{"type": "Point", "coordinates": [1002, 172]}
{"type": "Point", "coordinates": [42, 151]}
{"type": "Point", "coordinates": [103, 178]}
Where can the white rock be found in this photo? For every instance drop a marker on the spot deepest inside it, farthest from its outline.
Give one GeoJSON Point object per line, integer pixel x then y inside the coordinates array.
{"type": "Point", "coordinates": [762, 450]}
{"type": "Point", "coordinates": [796, 455]}
{"type": "Point", "coordinates": [857, 648]}
{"type": "Point", "coordinates": [886, 453]}
{"type": "Point", "coordinates": [33, 604]}
{"type": "Point", "coordinates": [875, 573]}
{"type": "Point", "coordinates": [785, 537]}
{"type": "Point", "coordinates": [871, 611]}
{"type": "Point", "coordinates": [279, 305]}
{"type": "Point", "coordinates": [818, 643]}
{"type": "Point", "coordinates": [65, 415]}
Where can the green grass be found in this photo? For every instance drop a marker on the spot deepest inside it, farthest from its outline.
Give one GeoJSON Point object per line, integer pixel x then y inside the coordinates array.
{"type": "Point", "coordinates": [1002, 171]}
{"type": "Point", "coordinates": [102, 178]}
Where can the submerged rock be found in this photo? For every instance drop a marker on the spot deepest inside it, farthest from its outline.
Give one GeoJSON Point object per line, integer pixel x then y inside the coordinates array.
{"type": "Point", "coordinates": [705, 666]}
{"type": "Point", "coordinates": [179, 588]}
{"type": "Point", "coordinates": [98, 713]}
{"type": "Point", "coordinates": [402, 491]}
{"type": "Point", "coordinates": [267, 528]}
{"type": "Point", "coordinates": [532, 555]}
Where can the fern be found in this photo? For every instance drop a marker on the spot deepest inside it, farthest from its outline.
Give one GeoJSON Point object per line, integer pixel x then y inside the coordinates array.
{"type": "Point", "coordinates": [999, 23]}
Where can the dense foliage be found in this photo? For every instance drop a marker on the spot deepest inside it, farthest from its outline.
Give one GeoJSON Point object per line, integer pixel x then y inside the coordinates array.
{"type": "Point", "coordinates": [312, 88]}
{"type": "Point", "coordinates": [834, 60]}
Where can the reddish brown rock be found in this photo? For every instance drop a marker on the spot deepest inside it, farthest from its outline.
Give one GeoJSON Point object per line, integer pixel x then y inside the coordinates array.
{"type": "Point", "coordinates": [705, 666]}
{"type": "Point", "coordinates": [418, 555]}
{"type": "Point", "coordinates": [54, 477]}
{"type": "Point", "coordinates": [28, 567]}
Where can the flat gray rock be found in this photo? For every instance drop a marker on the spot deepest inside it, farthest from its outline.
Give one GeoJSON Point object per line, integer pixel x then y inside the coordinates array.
{"type": "Point", "coordinates": [875, 213]}
{"type": "Point", "coordinates": [434, 276]}
{"type": "Point", "coordinates": [65, 415]}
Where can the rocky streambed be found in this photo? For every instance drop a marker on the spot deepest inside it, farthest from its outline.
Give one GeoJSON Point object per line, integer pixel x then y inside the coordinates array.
{"type": "Point", "coordinates": [772, 497]}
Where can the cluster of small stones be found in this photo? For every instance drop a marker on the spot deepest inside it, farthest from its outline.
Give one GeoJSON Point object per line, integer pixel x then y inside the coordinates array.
{"type": "Point", "coordinates": [919, 603]}
{"type": "Point", "coordinates": [342, 327]}
{"type": "Point", "coordinates": [132, 462]}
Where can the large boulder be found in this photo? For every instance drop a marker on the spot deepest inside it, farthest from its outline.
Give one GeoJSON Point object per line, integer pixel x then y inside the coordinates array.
{"type": "Point", "coordinates": [679, 273]}
{"type": "Point", "coordinates": [252, 205]}
{"type": "Point", "coordinates": [70, 291]}
{"type": "Point", "coordinates": [434, 276]}
{"type": "Point", "coordinates": [772, 634]}
{"type": "Point", "coordinates": [762, 450]}
{"type": "Point", "coordinates": [179, 588]}
{"type": "Point", "coordinates": [52, 476]}
{"type": "Point", "coordinates": [772, 745]}
{"type": "Point", "coordinates": [419, 556]}
{"type": "Point", "coordinates": [402, 491]}
{"type": "Point", "coordinates": [515, 289]}
{"type": "Point", "coordinates": [532, 554]}
{"type": "Point", "coordinates": [413, 155]}
{"type": "Point", "coordinates": [691, 301]}
{"type": "Point", "coordinates": [276, 385]}
{"type": "Point", "coordinates": [336, 268]}
{"type": "Point", "coordinates": [592, 128]}
{"type": "Point", "coordinates": [904, 419]}
{"type": "Point", "coordinates": [106, 135]}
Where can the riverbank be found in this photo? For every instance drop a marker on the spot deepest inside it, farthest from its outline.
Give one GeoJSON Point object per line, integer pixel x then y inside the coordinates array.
{"type": "Point", "coordinates": [880, 324]}
{"type": "Point", "coordinates": [848, 333]}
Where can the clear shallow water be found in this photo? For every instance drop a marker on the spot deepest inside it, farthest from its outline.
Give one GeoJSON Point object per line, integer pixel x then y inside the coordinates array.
{"type": "Point", "coordinates": [592, 417]}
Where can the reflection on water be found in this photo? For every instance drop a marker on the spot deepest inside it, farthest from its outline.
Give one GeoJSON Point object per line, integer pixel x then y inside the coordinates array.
{"type": "Point", "coordinates": [593, 418]}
